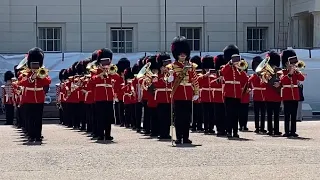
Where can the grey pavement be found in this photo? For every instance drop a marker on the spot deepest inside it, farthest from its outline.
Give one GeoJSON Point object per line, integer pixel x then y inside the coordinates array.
{"type": "Point", "coordinates": [68, 154]}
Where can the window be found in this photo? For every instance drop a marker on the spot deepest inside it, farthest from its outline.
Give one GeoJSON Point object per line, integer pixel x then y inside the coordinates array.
{"type": "Point", "coordinates": [121, 40]}
{"type": "Point", "coordinates": [50, 39]}
{"type": "Point", "coordinates": [256, 39]}
{"type": "Point", "coordinates": [193, 35]}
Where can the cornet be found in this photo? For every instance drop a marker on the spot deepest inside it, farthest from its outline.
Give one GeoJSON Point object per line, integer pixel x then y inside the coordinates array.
{"type": "Point", "coordinates": [42, 73]}
{"type": "Point", "coordinates": [300, 65]}
{"type": "Point", "coordinates": [242, 65]}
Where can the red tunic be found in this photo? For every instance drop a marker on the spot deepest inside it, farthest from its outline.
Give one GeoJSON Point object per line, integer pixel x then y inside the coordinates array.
{"type": "Point", "coordinates": [290, 90]}
{"type": "Point", "coordinates": [189, 85]}
{"type": "Point", "coordinates": [217, 90]}
{"type": "Point", "coordinates": [258, 88]}
{"type": "Point", "coordinates": [16, 93]}
{"type": "Point", "coordinates": [163, 90]}
{"type": "Point", "coordinates": [118, 84]}
{"type": "Point", "coordinates": [232, 79]}
{"type": "Point", "coordinates": [206, 88]}
{"type": "Point", "coordinates": [144, 93]}
{"type": "Point", "coordinates": [245, 99]}
{"type": "Point", "coordinates": [33, 89]}
{"type": "Point", "coordinates": [7, 95]}
{"type": "Point", "coordinates": [88, 91]}
{"type": "Point", "coordinates": [71, 91]}
{"type": "Point", "coordinates": [103, 87]}
{"type": "Point", "coordinates": [128, 94]}
{"type": "Point", "coordinates": [80, 90]}
{"type": "Point", "coordinates": [272, 94]}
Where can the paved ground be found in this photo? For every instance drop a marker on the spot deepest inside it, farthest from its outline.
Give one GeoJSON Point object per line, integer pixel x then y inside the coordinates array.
{"type": "Point", "coordinates": [67, 154]}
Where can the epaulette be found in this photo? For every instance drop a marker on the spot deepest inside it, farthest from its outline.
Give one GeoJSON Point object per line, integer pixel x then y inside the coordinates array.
{"type": "Point", "coordinates": [194, 65]}
{"type": "Point", "coordinates": [169, 66]}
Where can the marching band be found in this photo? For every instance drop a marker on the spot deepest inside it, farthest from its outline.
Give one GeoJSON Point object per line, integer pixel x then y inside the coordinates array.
{"type": "Point", "coordinates": [202, 93]}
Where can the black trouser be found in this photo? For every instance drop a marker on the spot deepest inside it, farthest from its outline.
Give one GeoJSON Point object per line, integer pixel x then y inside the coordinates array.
{"type": "Point", "coordinates": [61, 115]}
{"type": "Point", "coordinates": [164, 119]}
{"type": "Point", "coordinates": [89, 117]}
{"type": "Point", "coordinates": [77, 114]}
{"type": "Point", "coordinates": [220, 117]}
{"type": "Point", "coordinates": [138, 113]}
{"type": "Point", "coordinates": [197, 116]}
{"type": "Point", "coordinates": [82, 115]}
{"type": "Point", "coordinates": [128, 115]}
{"type": "Point", "coordinates": [208, 116]}
{"type": "Point", "coordinates": [119, 113]}
{"type": "Point", "coordinates": [259, 108]}
{"type": "Point", "coordinates": [65, 113]}
{"type": "Point", "coordinates": [182, 110]}
{"type": "Point", "coordinates": [290, 116]}
{"type": "Point", "coordinates": [18, 116]}
{"type": "Point", "coordinates": [23, 117]}
{"type": "Point", "coordinates": [273, 109]}
{"type": "Point", "coordinates": [104, 115]}
{"type": "Point", "coordinates": [146, 117]}
{"type": "Point", "coordinates": [154, 123]}
{"type": "Point", "coordinates": [34, 113]}
{"type": "Point", "coordinates": [9, 113]}
{"type": "Point", "coordinates": [232, 110]}
{"type": "Point", "coordinates": [243, 115]}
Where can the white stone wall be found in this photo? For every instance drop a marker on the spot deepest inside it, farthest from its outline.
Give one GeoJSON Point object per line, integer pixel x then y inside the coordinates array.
{"type": "Point", "coordinates": [18, 22]}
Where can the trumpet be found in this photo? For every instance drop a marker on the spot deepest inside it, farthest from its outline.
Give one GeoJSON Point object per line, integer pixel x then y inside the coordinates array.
{"type": "Point", "coordinates": [300, 65]}
{"type": "Point", "coordinates": [242, 65]}
{"type": "Point", "coordinates": [42, 73]}
{"type": "Point", "coordinates": [113, 69]}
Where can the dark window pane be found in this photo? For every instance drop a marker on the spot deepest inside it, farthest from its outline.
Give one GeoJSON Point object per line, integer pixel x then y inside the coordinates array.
{"type": "Point", "coordinates": [263, 45]}
{"type": "Point", "coordinates": [114, 50]}
{"type": "Point", "coordinates": [121, 50]}
{"type": "Point", "coordinates": [190, 44]}
{"type": "Point", "coordinates": [42, 33]}
{"type": "Point", "coordinates": [129, 50]}
{"type": "Point", "coordinates": [114, 44]}
{"type": "Point", "coordinates": [121, 45]}
{"type": "Point", "coordinates": [182, 32]}
{"type": "Point", "coordinates": [49, 45]}
{"type": "Point", "coordinates": [50, 33]}
{"type": "Point", "coordinates": [57, 45]}
{"type": "Point", "coordinates": [114, 35]}
{"type": "Point", "coordinates": [57, 33]}
{"type": "Point", "coordinates": [255, 34]}
{"type": "Point", "coordinates": [255, 45]}
{"type": "Point", "coordinates": [249, 45]}
{"type": "Point", "coordinates": [128, 35]}
{"type": "Point", "coordinates": [189, 33]}
{"type": "Point", "coordinates": [196, 45]}
{"type": "Point", "coordinates": [249, 33]}
{"type": "Point", "coordinates": [196, 33]}
{"type": "Point", "coordinates": [42, 45]}
{"type": "Point", "coordinates": [128, 44]}
{"type": "Point", "coordinates": [121, 35]}
{"type": "Point", "coordinates": [263, 34]}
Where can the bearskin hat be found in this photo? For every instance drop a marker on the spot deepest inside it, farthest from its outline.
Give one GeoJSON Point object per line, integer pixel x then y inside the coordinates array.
{"type": "Point", "coordinates": [230, 50]}
{"type": "Point", "coordinates": [104, 53]}
{"type": "Point", "coordinates": [274, 58]}
{"type": "Point", "coordinates": [141, 62]}
{"type": "Point", "coordinates": [94, 56]}
{"type": "Point", "coordinates": [8, 76]}
{"type": "Point", "coordinates": [255, 62]}
{"type": "Point", "coordinates": [219, 61]}
{"type": "Point", "coordinates": [123, 64]}
{"type": "Point", "coordinates": [70, 72]}
{"type": "Point", "coordinates": [35, 55]}
{"type": "Point", "coordinates": [128, 74]}
{"type": "Point", "coordinates": [153, 61]}
{"type": "Point", "coordinates": [81, 67]}
{"type": "Point", "coordinates": [163, 58]}
{"type": "Point", "coordinates": [207, 62]}
{"type": "Point", "coordinates": [286, 54]}
{"type": "Point", "coordinates": [197, 60]}
{"type": "Point", "coordinates": [135, 69]}
{"type": "Point", "coordinates": [180, 45]}
{"type": "Point", "coordinates": [16, 71]}
{"type": "Point", "coordinates": [61, 74]}
{"type": "Point", "coordinates": [74, 67]}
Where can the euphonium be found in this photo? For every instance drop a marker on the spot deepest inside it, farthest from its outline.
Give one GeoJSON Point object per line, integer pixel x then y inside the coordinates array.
{"type": "Point", "coordinates": [42, 73]}
{"type": "Point", "coordinates": [300, 65]}
{"type": "Point", "coordinates": [242, 65]}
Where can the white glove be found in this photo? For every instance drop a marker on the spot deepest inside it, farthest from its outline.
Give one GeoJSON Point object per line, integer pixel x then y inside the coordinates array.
{"type": "Point", "coordinates": [195, 97]}
{"type": "Point", "coordinates": [170, 79]}
{"type": "Point", "coordinates": [116, 100]}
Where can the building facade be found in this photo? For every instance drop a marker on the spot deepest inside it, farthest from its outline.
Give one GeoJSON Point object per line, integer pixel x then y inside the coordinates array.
{"type": "Point", "coordinates": [150, 25]}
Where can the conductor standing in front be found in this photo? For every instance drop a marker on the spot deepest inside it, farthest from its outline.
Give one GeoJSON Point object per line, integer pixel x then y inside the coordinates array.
{"type": "Point", "coordinates": [185, 88]}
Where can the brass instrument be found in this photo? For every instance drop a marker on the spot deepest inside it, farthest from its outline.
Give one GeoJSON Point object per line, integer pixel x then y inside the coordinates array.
{"type": "Point", "coordinates": [265, 71]}
{"type": "Point", "coordinates": [42, 72]}
{"type": "Point", "coordinates": [147, 81]}
{"type": "Point", "coordinates": [113, 69]}
{"type": "Point", "coordinates": [22, 63]}
{"type": "Point", "coordinates": [300, 65]}
{"type": "Point", "coordinates": [242, 65]}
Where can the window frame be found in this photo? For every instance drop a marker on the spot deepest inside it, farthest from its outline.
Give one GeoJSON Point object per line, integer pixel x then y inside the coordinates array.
{"type": "Point", "coordinates": [186, 28]}
{"type": "Point", "coordinates": [118, 39]}
{"type": "Point", "coordinates": [261, 41]}
{"type": "Point", "coordinates": [60, 39]}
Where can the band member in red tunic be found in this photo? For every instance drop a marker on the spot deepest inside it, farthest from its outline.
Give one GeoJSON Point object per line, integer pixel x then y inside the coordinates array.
{"type": "Point", "coordinates": [245, 99]}
{"type": "Point", "coordinates": [197, 120]}
{"type": "Point", "coordinates": [218, 98]}
{"type": "Point", "coordinates": [34, 94]}
{"type": "Point", "coordinates": [258, 91]}
{"type": "Point", "coordinates": [290, 90]}
{"type": "Point", "coordinates": [206, 95]}
{"type": "Point", "coordinates": [128, 99]}
{"type": "Point", "coordinates": [232, 89]}
{"type": "Point", "coordinates": [7, 97]}
{"type": "Point", "coordinates": [272, 96]}
{"type": "Point", "coordinates": [59, 95]}
{"type": "Point", "coordinates": [137, 89]}
{"type": "Point", "coordinates": [104, 94]}
{"type": "Point", "coordinates": [162, 96]}
{"type": "Point", "coordinates": [185, 87]}
{"type": "Point", "coordinates": [122, 64]}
